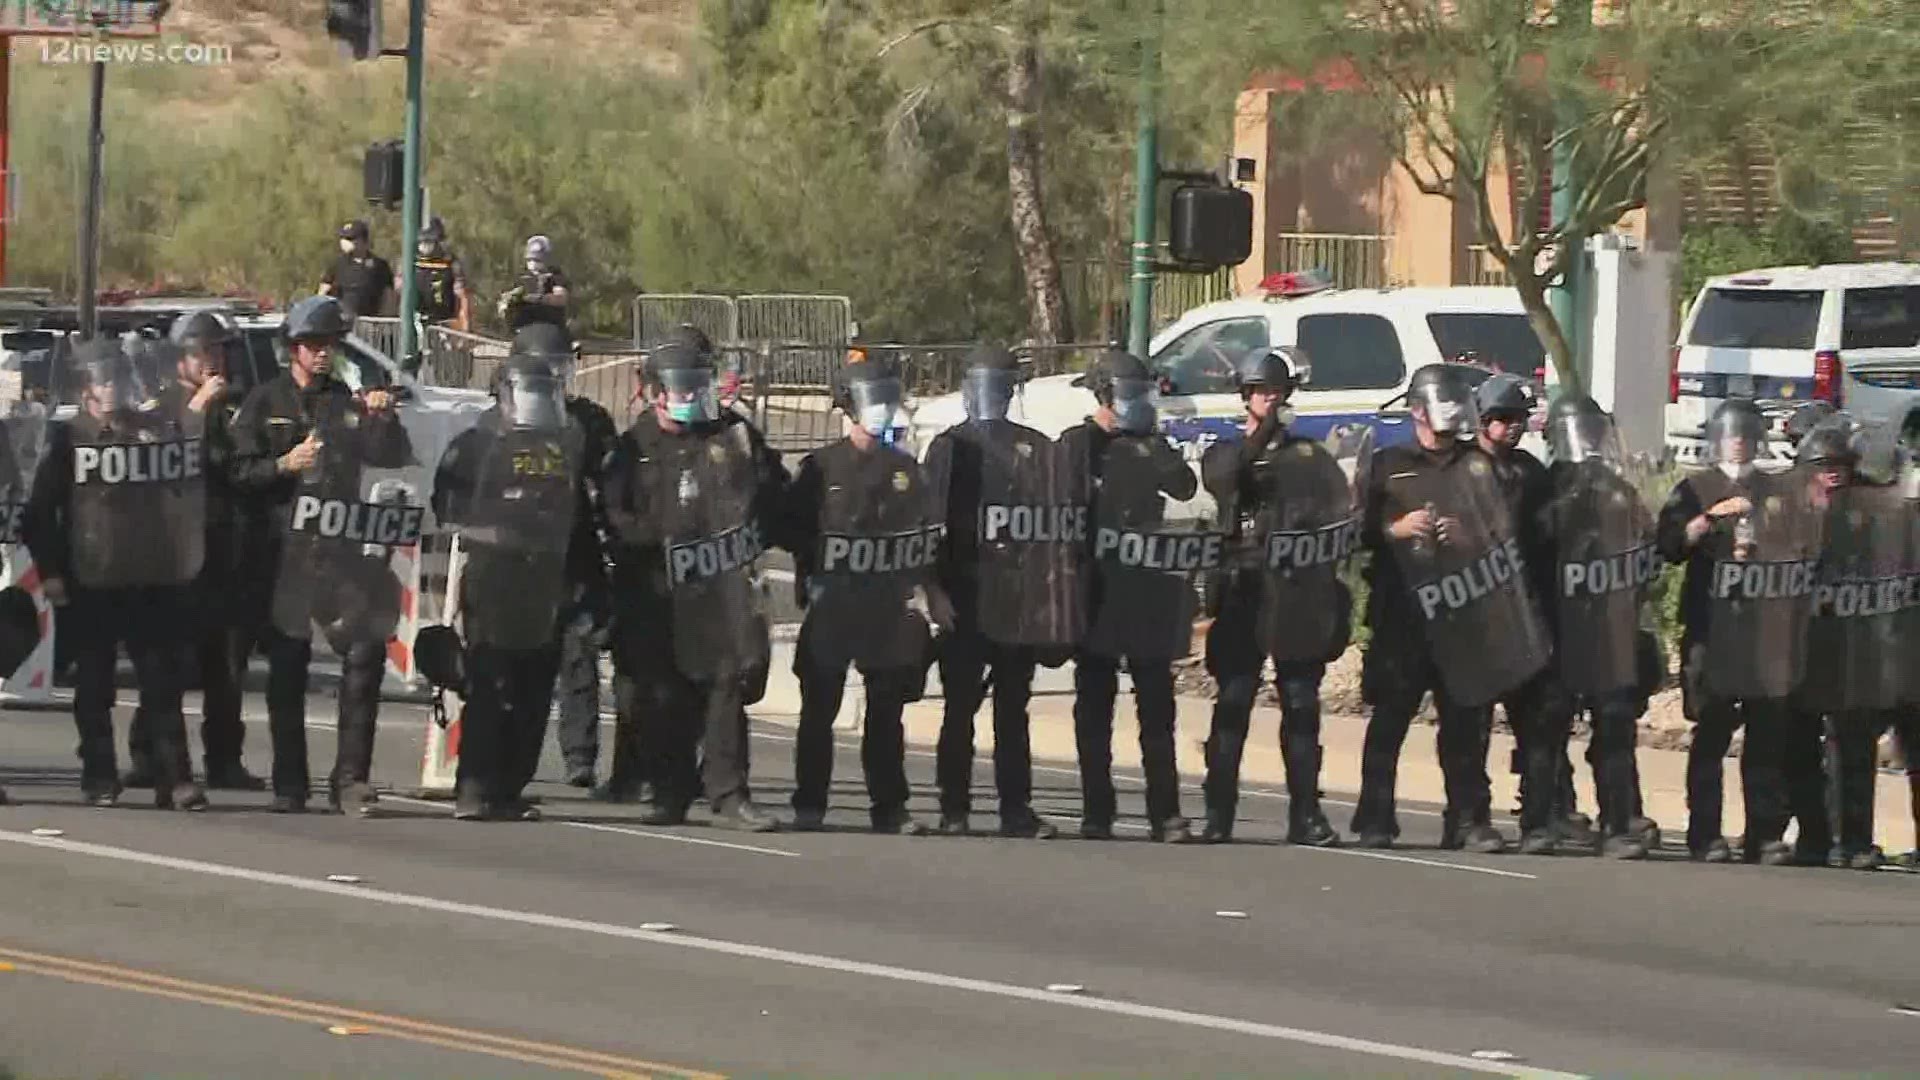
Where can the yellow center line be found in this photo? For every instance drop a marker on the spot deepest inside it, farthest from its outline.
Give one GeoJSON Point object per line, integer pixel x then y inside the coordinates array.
{"type": "Point", "coordinates": [553, 1056]}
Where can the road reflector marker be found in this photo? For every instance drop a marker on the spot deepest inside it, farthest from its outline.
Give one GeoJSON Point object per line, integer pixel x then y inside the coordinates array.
{"type": "Point", "coordinates": [1065, 988]}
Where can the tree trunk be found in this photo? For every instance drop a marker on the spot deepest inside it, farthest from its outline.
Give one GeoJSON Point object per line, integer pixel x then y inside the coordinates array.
{"type": "Point", "coordinates": [1533, 295]}
{"type": "Point", "coordinates": [1049, 318]}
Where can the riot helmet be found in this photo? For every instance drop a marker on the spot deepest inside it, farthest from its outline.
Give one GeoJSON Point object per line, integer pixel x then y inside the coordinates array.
{"type": "Point", "coordinates": [547, 344]}
{"type": "Point", "coordinates": [1878, 456]}
{"type": "Point", "coordinates": [1443, 395]}
{"type": "Point", "coordinates": [109, 386]}
{"type": "Point", "coordinates": [316, 319]}
{"type": "Point", "coordinates": [539, 252]}
{"type": "Point", "coordinates": [993, 378]}
{"type": "Point", "coordinates": [201, 331]}
{"type": "Point", "coordinates": [531, 398]}
{"type": "Point", "coordinates": [1805, 418]}
{"type": "Point", "coordinates": [871, 395]}
{"type": "Point", "coordinates": [1734, 434]}
{"type": "Point", "coordinates": [1123, 383]}
{"type": "Point", "coordinates": [1579, 430]}
{"type": "Point", "coordinates": [1503, 397]}
{"type": "Point", "coordinates": [684, 378]}
{"type": "Point", "coordinates": [1278, 368]}
{"type": "Point", "coordinates": [432, 235]}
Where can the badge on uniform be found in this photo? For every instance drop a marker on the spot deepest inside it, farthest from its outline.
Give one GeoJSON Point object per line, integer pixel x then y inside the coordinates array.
{"type": "Point", "coordinates": [901, 481]}
{"type": "Point", "coordinates": [1478, 467]}
{"type": "Point", "coordinates": [1303, 449]}
{"type": "Point", "coordinates": [1025, 450]}
{"type": "Point", "coordinates": [1141, 448]}
{"type": "Point", "coordinates": [717, 452]}
{"type": "Point", "coordinates": [689, 488]}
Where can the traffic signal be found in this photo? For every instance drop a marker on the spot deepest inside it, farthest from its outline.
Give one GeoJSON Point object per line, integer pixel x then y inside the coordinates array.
{"type": "Point", "coordinates": [356, 25]}
{"type": "Point", "coordinates": [1212, 225]}
{"type": "Point", "coordinates": [385, 173]}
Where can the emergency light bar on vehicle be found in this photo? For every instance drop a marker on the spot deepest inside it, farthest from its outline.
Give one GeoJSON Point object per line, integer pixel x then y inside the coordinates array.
{"type": "Point", "coordinates": [1292, 283]}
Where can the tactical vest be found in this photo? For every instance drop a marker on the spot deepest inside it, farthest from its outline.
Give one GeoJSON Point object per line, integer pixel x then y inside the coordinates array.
{"type": "Point", "coordinates": [433, 281]}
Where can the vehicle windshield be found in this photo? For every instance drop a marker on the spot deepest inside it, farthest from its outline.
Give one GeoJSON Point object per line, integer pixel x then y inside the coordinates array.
{"type": "Point", "coordinates": [1757, 319]}
{"type": "Point", "coordinates": [1504, 342]}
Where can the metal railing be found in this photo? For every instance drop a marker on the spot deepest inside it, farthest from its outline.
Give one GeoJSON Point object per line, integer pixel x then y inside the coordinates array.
{"type": "Point", "coordinates": [653, 315]}
{"type": "Point", "coordinates": [1483, 268]}
{"type": "Point", "coordinates": [1353, 260]}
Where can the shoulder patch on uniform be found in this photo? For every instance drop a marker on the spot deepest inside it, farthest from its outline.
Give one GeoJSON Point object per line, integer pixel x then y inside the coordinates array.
{"type": "Point", "coordinates": [901, 481]}
{"type": "Point", "coordinates": [1025, 450]}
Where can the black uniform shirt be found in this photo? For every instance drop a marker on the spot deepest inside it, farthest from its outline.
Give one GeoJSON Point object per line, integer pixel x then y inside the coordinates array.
{"type": "Point", "coordinates": [360, 282]}
{"type": "Point", "coordinates": [1691, 497]}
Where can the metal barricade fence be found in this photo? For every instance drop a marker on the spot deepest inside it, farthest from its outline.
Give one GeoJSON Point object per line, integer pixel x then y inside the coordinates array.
{"type": "Point", "coordinates": [825, 321]}
{"type": "Point", "coordinates": [457, 358]}
{"type": "Point", "coordinates": [716, 316]}
{"type": "Point", "coordinates": [381, 332]}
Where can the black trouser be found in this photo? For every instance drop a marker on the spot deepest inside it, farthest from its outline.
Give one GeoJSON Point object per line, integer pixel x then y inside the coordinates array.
{"type": "Point", "coordinates": [1096, 684]}
{"type": "Point", "coordinates": [1235, 659]}
{"type": "Point", "coordinates": [1616, 772]}
{"type": "Point", "coordinates": [883, 745]}
{"type": "Point", "coordinates": [1858, 734]}
{"type": "Point", "coordinates": [505, 725]}
{"type": "Point", "coordinates": [362, 667]}
{"type": "Point", "coordinates": [1803, 769]}
{"type": "Point", "coordinates": [1397, 679]}
{"type": "Point", "coordinates": [147, 621]}
{"type": "Point", "coordinates": [964, 661]}
{"type": "Point", "coordinates": [635, 758]}
{"type": "Point", "coordinates": [696, 735]}
{"type": "Point", "coordinates": [1762, 777]}
{"type": "Point", "coordinates": [579, 692]}
{"type": "Point", "coordinates": [220, 655]}
{"type": "Point", "coordinates": [1542, 711]}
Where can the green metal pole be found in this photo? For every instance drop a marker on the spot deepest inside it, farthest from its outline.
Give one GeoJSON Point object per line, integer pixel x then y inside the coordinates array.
{"type": "Point", "coordinates": [1146, 186]}
{"type": "Point", "coordinates": [1566, 299]}
{"type": "Point", "coordinates": [409, 357]}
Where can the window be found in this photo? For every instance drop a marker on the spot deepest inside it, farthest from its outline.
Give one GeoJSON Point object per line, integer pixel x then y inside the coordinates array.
{"type": "Point", "coordinates": [1352, 352]}
{"type": "Point", "coordinates": [1758, 319]}
{"type": "Point", "coordinates": [1206, 359]}
{"type": "Point", "coordinates": [1507, 342]}
{"type": "Point", "coordinates": [1886, 318]}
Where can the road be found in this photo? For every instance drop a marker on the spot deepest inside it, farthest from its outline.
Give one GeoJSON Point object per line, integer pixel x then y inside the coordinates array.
{"type": "Point", "coordinates": [140, 943]}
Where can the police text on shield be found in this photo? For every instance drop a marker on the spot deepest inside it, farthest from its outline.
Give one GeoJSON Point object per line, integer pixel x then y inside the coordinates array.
{"type": "Point", "coordinates": [733, 550]}
{"type": "Point", "coordinates": [1472, 583]}
{"type": "Point", "coordinates": [363, 523]}
{"type": "Point", "coordinates": [894, 553]}
{"type": "Point", "coordinates": [137, 463]}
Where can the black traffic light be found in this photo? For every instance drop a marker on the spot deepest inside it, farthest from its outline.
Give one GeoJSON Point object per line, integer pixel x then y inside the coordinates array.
{"type": "Point", "coordinates": [385, 173]}
{"type": "Point", "coordinates": [356, 25]}
{"type": "Point", "coordinates": [1212, 225]}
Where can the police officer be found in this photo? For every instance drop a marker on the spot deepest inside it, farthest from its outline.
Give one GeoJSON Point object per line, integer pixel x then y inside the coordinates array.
{"type": "Point", "coordinates": [1742, 652]}
{"type": "Point", "coordinates": [866, 535]}
{"type": "Point", "coordinates": [206, 344]}
{"type": "Point", "coordinates": [1005, 584]}
{"type": "Point", "coordinates": [359, 279]}
{"type": "Point", "coordinates": [115, 524]}
{"type": "Point", "coordinates": [275, 440]}
{"type": "Point", "coordinates": [1600, 559]}
{"type": "Point", "coordinates": [1279, 496]}
{"type": "Point", "coordinates": [693, 495]}
{"type": "Point", "coordinates": [584, 623]}
{"type": "Point", "coordinates": [1451, 609]}
{"type": "Point", "coordinates": [539, 294]}
{"type": "Point", "coordinates": [1538, 712]}
{"type": "Point", "coordinates": [440, 281]}
{"type": "Point", "coordinates": [1142, 592]}
{"type": "Point", "coordinates": [512, 487]}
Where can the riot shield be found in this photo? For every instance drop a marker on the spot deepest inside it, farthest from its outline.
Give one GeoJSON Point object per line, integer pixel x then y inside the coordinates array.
{"type": "Point", "coordinates": [1605, 560]}
{"type": "Point", "coordinates": [713, 545]}
{"type": "Point", "coordinates": [1032, 533]}
{"type": "Point", "coordinates": [345, 530]}
{"type": "Point", "coordinates": [514, 530]}
{"type": "Point", "coordinates": [1762, 595]}
{"type": "Point", "coordinates": [1860, 652]}
{"type": "Point", "coordinates": [1470, 587]}
{"type": "Point", "coordinates": [138, 502]}
{"type": "Point", "coordinates": [1310, 521]}
{"type": "Point", "coordinates": [1141, 582]}
{"type": "Point", "coordinates": [879, 540]}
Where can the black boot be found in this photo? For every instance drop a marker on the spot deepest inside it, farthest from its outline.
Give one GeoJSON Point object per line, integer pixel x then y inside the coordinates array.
{"type": "Point", "coordinates": [1219, 828]}
{"type": "Point", "coordinates": [99, 779]}
{"type": "Point", "coordinates": [173, 784]}
{"type": "Point", "coordinates": [139, 774]}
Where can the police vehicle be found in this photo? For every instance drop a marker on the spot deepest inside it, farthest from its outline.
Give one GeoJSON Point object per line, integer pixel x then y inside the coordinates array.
{"type": "Point", "coordinates": [1847, 334]}
{"type": "Point", "coordinates": [1362, 345]}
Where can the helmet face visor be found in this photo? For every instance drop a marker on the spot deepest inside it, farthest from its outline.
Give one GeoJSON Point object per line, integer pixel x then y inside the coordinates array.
{"type": "Point", "coordinates": [1448, 407]}
{"type": "Point", "coordinates": [988, 393]}
{"type": "Point", "coordinates": [1133, 405]}
{"type": "Point", "coordinates": [1583, 437]}
{"type": "Point", "coordinates": [533, 401]}
{"type": "Point", "coordinates": [690, 395]}
{"type": "Point", "coordinates": [875, 403]}
{"type": "Point", "coordinates": [1734, 437]}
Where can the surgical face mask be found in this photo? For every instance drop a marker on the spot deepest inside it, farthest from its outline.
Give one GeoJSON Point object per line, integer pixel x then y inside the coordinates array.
{"type": "Point", "coordinates": [1446, 417]}
{"type": "Point", "coordinates": [1133, 408]}
{"type": "Point", "coordinates": [690, 395]}
{"type": "Point", "coordinates": [428, 247]}
{"type": "Point", "coordinates": [536, 266]}
{"type": "Point", "coordinates": [346, 246]}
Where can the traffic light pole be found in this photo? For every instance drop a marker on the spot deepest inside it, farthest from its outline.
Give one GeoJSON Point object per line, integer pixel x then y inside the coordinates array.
{"type": "Point", "coordinates": [1146, 181]}
{"type": "Point", "coordinates": [90, 219]}
{"type": "Point", "coordinates": [409, 357]}
{"type": "Point", "coordinates": [1564, 299]}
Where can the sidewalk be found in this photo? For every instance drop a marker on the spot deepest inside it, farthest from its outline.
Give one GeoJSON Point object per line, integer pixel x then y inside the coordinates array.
{"type": "Point", "coordinates": [1662, 772]}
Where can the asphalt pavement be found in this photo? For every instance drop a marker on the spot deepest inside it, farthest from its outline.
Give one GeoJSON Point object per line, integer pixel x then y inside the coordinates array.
{"type": "Point", "coordinates": [236, 943]}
